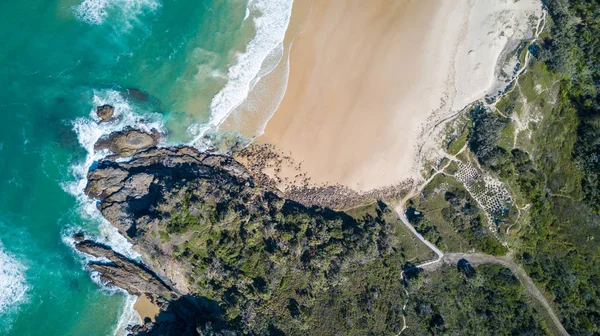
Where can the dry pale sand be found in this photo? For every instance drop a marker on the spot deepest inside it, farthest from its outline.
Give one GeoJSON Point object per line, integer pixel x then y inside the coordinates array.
{"type": "Point", "coordinates": [363, 78]}
{"type": "Point", "coordinates": [145, 308]}
{"type": "Point", "coordinates": [366, 78]}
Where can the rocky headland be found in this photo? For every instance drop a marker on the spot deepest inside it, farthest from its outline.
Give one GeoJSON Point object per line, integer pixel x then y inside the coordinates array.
{"type": "Point", "coordinates": [222, 254]}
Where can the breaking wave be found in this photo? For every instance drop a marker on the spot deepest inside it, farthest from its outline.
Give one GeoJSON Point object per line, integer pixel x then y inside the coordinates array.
{"type": "Point", "coordinates": [271, 19]}
{"type": "Point", "coordinates": [13, 285]}
{"type": "Point", "coordinates": [97, 11]}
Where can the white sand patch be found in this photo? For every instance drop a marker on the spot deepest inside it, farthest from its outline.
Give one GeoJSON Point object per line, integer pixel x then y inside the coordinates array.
{"type": "Point", "coordinates": [494, 28]}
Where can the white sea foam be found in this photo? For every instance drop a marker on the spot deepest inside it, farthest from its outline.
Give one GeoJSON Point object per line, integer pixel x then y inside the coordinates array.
{"type": "Point", "coordinates": [88, 132]}
{"type": "Point", "coordinates": [271, 19]}
{"type": "Point", "coordinates": [13, 285]}
{"type": "Point", "coordinates": [128, 317]}
{"type": "Point", "coordinates": [97, 11]}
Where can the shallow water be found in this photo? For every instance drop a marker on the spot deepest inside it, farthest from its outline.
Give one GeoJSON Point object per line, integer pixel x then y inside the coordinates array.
{"type": "Point", "coordinates": [60, 59]}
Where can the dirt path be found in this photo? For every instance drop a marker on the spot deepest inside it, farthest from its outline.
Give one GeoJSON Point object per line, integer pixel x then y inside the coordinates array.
{"type": "Point", "coordinates": [481, 258]}
{"type": "Point", "coordinates": [476, 259]}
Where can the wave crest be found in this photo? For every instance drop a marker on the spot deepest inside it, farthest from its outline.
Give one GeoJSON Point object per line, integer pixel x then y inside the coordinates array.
{"type": "Point", "coordinates": [271, 19]}
{"type": "Point", "coordinates": [95, 12]}
{"type": "Point", "coordinates": [13, 285]}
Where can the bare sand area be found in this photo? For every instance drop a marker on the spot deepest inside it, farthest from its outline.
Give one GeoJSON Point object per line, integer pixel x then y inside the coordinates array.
{"type": "Point", "coordinates": [146, 309]}
{"type": "Point", "coordinates": [368, 78]}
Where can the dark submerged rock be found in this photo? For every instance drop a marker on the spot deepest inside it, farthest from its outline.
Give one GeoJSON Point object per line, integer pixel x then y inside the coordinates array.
{"type": "Point", "coordinates": [78, 237]}
{"type": "Point", "coordinates": [137, 95]}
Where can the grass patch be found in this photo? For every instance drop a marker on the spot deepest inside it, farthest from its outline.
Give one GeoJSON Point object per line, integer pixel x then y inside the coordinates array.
{"type": "Point", "coordinates": [445, 214]}
{"type": "Point", "coordinates": [507, 136]}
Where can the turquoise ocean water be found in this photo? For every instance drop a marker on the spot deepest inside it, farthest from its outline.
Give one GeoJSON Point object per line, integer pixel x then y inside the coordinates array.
{"type": "Point", "coordinates": [195, 60]}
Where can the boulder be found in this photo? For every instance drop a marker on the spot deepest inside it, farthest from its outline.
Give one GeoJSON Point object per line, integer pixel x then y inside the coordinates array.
{"type": "Point", "coordinates": [128, 141]}
{"type": "Point", "coordinates": [78, 237]}
{"type": "Point", "coordinates": [105, 112]}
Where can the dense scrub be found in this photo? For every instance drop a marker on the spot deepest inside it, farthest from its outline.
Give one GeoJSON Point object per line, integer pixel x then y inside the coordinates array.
{"type": "Point", "coordinates": [558, 176]}
{"type": "Point", "coordinates": [488, 300]}
{"type": "Point", "coordinates": [483, 142]}
{"type": "Point", "coordinates": [574, 53]}
{"type": "Point", "coordinates": [251, 262]}
{"type": "Point", "coordinates": [278, 267]}
{"type": "Point", "coordinates": [558, 247]}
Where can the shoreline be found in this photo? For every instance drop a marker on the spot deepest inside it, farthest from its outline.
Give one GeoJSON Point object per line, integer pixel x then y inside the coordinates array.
{"type": "Point", "coordinates": [355, 115]}
{"type": "Point", "coordinates": [286, 126]}
{"type": "Point", "coordinates": [250, 118]}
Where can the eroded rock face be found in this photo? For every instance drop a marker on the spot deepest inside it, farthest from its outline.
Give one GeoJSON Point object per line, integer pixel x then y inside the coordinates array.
{"type": "Point", "coordinates": [128, 141]}
{"type": "Point", "coordinates": [136, 195]}
{"type": "Point", "coordinates": [105, 112]}
{"type": "Point", "coordinates": [133, 277]}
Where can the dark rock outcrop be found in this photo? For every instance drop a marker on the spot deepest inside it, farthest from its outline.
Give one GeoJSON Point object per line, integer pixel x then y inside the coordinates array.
{"type": "Point", "coordinates": [78, 237]}
{"type": "Point", "coordinates": [128, 141]}
{"type": "Point", "coordinates": [105, 112]}
{"type": "Point", "coordinates": [130, 192]}
{"type": "Point", "coordinates": [124, 273]}
{"type": "Point", "coordinates": [136, 95]}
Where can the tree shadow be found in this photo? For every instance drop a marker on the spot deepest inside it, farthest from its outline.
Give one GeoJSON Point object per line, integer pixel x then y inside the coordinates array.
{"type": "Point", "coordinates": [186, 316]}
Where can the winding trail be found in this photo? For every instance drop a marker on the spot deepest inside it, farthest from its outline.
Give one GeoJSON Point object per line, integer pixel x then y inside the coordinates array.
{"type": "Point", "coordinates": [481, 258]}
{"type": "Point", "coordinates": [475, 259]}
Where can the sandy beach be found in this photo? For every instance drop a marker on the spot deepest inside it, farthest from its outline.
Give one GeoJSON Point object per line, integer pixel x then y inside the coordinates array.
{"type": "Point", "coordinates": [367, 79]}
{"type": "Point", "coordinates": [146, 309]}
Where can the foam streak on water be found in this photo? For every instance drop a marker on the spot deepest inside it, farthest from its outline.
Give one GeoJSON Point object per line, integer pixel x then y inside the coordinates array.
{"type": "Point", "coordinates": [97, 11]}
{"type": "Point", "coordinates": [13, 285]}
{"type": "Point", "coordinates": [128, 317]}
{"type": "Point", "coordinates": [271, 19]}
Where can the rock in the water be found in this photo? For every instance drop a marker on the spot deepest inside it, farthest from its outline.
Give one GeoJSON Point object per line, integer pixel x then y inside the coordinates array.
{"type": "Point", "coordinates": [122, 272]}
{"type": "Point", "coordinates": [78, 237]}
{"type": "Point", "coordinates": [137, 95]}
{"type": "Point", "coordinates": [128, 141]}
{"type": "Point", "coordinates": [105, 112]}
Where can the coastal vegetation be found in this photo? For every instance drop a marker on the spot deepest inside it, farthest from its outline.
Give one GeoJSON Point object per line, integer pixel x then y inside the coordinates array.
{"type": "Point", "coordinates": [520, 180]}
{"type": "Point", "coordinates": [446, 215]}
{"type": "Point", "coordinates": [559, 247]}
{"type": "Point", "coordinates": [541, 140]}
{"type": "Point", "coordinates": [253, 262]}
{"type": "Point", "coordinates": [292, 269]}
{"type": "Point", "coordinates": [470, 301]}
